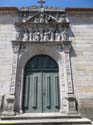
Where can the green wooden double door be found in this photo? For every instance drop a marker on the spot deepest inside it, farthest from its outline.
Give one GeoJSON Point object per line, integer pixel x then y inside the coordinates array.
{"type": "Point", "coordinates": [41, 91]}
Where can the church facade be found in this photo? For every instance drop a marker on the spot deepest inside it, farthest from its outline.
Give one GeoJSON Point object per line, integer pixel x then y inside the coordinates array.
{"type": "Point", "coordinates": [46, 63]}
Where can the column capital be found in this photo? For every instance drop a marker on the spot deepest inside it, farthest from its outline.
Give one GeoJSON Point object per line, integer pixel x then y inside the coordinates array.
{"type": "Point", "coordinates": [67, 46]}
{"type": "Point", "coordinates": [16, 47]}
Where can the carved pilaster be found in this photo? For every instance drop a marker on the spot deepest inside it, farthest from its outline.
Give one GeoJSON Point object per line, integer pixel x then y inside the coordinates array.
{"type": "Point", "coordinates": [14, 68]}
{"type": "Point", "coordinates": [70, 90]}
{"type": "Point", "coordinates": [68, 69]}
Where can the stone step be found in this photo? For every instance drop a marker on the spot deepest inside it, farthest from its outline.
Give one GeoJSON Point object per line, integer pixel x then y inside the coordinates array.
{"type": "Point", "coordinates": [44, 119]}
{"type": "Point", "coordinates": [57, 121]}
{"type": "Point", "coordinates": [40, 115]}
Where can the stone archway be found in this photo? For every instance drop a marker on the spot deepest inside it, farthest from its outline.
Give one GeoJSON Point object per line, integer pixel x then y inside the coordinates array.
{"type": "Point", "coordinates": [23, 59]}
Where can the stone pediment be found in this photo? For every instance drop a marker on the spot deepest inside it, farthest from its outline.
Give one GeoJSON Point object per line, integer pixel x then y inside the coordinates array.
{"type": "Point", "coordinates": [41, 18]}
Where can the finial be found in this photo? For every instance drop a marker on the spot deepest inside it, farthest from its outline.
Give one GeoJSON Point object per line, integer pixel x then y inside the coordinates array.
{"type": "Point", "coordinates": [41, 3]}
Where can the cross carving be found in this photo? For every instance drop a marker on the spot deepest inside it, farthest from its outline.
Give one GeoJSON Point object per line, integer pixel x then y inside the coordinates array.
{"type": "Point", "coordinates": [41, 2]}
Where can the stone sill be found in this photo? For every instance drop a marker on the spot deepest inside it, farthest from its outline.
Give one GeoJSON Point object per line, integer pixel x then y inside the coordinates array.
{"type": "Point", "coordinates": [52, 115]}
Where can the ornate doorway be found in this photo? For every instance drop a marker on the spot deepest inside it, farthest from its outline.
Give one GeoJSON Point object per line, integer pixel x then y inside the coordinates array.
{"type": "Point", "coordinates": [41, 85]}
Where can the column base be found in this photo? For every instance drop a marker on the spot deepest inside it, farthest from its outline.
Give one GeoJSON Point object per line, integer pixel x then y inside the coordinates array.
{"type": "Point", "coordinates": [8, 108]}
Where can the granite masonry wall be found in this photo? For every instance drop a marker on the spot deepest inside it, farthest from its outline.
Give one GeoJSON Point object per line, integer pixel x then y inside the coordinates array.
{"type": "Point", "coordinates": [82, 60]}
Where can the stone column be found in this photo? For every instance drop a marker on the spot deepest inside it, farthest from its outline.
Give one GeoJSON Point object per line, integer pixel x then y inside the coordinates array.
{"type": "Point", "coordinates": [30, 34]}
{"type": "Point", "coordinates": [70, 90]}
{"type": "Point", "coordinates": [41, 35]}
{"type": "Point", "coordinates": [9, 100]}
{"type": "Point", "coordinates": [52, 35]}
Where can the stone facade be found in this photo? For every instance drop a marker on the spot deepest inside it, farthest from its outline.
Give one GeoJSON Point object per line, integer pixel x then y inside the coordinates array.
{"type": "Point", "coordinates": [70, 45]}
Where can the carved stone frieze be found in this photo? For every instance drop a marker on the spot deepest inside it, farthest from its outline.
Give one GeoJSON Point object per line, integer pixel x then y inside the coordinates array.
{"type": "Point", "coordinates": [42, 35]}
{"type": "Point", "coordinates": [42, 25]}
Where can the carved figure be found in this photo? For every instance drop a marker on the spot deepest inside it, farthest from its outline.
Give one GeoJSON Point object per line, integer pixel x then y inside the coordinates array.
{"type": "Point", "coordinates": [46, 35]}
{"type": "Point", "coordinates": [42, 20]}
{"type": "Point", "coordinates": [19, 35]}
{"type": "Point", "coordinates": [26, 35]}
{"type": "Point", "coordinates": [65, 36]}
{"type": "Point", "coordinates": [36, 36]}
{"type": "Point", "coordinates": [57, 36]}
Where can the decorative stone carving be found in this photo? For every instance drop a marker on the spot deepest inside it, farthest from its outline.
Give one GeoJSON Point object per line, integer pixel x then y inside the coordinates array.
{"type": "Point", "coordinates": [10, 103]}
{"type": "Point", "coordinates": [42, 20]}
{"type": "Point", "coordinates": [8, 108]}
{"type": "Point", "coordinates": [68, 68]}
{"type": "Point", "coordinates": [51, 34]}
{"type": "Point", "coordinates": [30, 34]}
{"type": "Point", "coordinates": [57, 36]}
{"type": "Point", "coordinates": [26, 35]}
{"type": "Point", "coordinates": [46, 35]}
{"type": "Point", "coordinates": [41, 34]}
{"type": "Point", "coordinates": [65, 36]}
{"type": "Point", "coordinates": [36, 36]}
{"type": "Point", "coordinates": [14, 68]}
{"type": "Point", "coordinates": [19, 34]}
{"type": "Point", "coordinates": [70, 93]}
{"type": "Point", "coordinates": [72, 104]}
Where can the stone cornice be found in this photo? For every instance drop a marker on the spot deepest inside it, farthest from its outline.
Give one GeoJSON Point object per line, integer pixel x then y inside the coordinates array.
{"type": "Point", "coordinates": [8, 9]}
{"type": "Point", "coordinates": [47, 9]}
{"type": "Point", "coordinates": [79, 9]}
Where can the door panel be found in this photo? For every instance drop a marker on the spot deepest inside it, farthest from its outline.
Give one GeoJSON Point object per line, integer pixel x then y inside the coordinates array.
{"type": "Point", "coordinates": [26, 95]}
{"type": "Point", "coordinates": [50, 92]}
{"type": "Point", "coordinates": [35, 93]}
{"type": "Point", "coordinates": [42, 92]}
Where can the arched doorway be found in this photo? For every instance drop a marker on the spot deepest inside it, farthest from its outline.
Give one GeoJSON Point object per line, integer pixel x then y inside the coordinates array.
{"type": "Point", "coordinates": [41, 85]}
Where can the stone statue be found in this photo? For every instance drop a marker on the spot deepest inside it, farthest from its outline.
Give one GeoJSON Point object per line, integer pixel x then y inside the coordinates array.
{"type": "Point", "coordinates": [26, 35]}
{"type": "Point", "coordinates": [36, 36]}
{"type": "Point", "coordinates": [31, 35]}
{"type": "Point", "coordinates": [57, 36]}
{"type": "Point", "coordinates": [62, 18]}
{"type": "Point", "coordinates": [19, 34]}
{"type": "Point", "coordinates": [41, 18]}
{"type": "Point", "coordinates": [65, 36]}
{"type": "Point", "coordinates": [46, 35]}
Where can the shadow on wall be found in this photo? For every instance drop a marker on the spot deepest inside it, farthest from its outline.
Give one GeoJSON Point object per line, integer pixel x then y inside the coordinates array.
{"type": "Point", "coordinates": [86, 108]}
{"type": "Point", "coordinates": [1, 102]}
{"type": "Point", "coordinates": [72, 52]}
